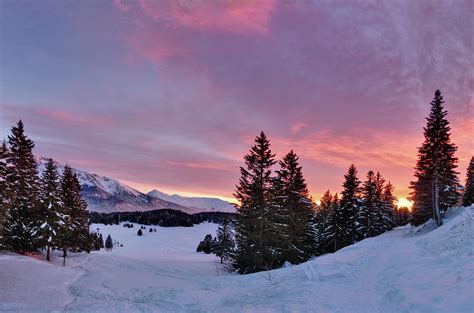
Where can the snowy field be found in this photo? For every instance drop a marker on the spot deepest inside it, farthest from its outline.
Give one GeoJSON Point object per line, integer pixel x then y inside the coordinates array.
{"type": "Point", "coordinates": [404, 270]}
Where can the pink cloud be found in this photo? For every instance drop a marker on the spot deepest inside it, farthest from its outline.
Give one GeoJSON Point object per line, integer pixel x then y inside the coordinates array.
{"type": "Point", "coordinates": [234, 16]}
{"type": "Point", "coordinates": [297, 127]}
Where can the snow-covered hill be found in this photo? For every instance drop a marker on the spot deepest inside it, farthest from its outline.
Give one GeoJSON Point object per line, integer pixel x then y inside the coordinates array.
{"type": "Point", "coordinates": [104, 194]}
{"type": "Point", "coordinates": [200, 203]}
{"type": "Point", "coordinates": [422, 269]}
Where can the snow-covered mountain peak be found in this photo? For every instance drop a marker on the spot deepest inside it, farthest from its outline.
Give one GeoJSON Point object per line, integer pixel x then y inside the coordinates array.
{"type": "Point", "coordinates": [201, 203]}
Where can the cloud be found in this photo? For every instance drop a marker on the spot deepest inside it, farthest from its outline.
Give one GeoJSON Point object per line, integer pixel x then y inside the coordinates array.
{"type": "Point", "coordinates": [233, 16]}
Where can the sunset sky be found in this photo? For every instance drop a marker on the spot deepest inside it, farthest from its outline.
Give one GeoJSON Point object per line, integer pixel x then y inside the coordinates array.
{"type": "Point", "coordinates": [170, 94]}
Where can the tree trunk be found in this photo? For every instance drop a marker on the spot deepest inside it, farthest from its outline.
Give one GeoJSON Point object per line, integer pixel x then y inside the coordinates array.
{"type": "Point", "coordinates": [48, 253]}
{"type": "Point", "coordinates": [64, 256]}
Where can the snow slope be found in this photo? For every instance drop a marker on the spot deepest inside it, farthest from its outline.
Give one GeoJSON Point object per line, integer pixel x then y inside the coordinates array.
{"type": "Point", "coordinates": [200, 203]}
{"type": "Point", "coordinates": [405, 270]}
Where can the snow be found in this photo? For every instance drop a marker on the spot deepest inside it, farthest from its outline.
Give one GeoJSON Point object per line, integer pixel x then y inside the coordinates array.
{"type": "Point", "coordinates": [408, 269]}
{"type": "Point", "coordinates": [203, 203]}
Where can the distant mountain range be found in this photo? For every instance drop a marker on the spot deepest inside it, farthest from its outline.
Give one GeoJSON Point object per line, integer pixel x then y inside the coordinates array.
{"type": "Point", "coordinates": [104, 194]}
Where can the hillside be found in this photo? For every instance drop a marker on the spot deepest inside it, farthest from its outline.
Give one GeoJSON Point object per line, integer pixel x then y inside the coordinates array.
{"type": "Point", "coordinates": [422, 269]}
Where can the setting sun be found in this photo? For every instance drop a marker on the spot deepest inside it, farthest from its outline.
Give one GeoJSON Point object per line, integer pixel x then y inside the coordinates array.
{"type": "Point", "coordinates": [401, 202]}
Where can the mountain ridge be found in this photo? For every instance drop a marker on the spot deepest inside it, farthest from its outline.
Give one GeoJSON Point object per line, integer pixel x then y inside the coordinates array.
{"type": "Point", "coordinates": [107, 195]}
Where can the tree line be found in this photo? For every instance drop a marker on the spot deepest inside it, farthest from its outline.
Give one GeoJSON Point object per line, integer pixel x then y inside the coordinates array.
{"type": "Point", "coordinates": [40, 212]}
{"type": "Point", "coordinates": [278, 222]}
{"type": "Point", "coordinates": [161, 217]}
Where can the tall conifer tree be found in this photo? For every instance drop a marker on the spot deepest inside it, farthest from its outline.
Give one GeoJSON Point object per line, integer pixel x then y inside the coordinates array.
{"type": "Point", "coordinates": [321, 218]}
{"type": "Point", "coordinates": [22, 221]}
{"type": "Point", "coordinates": [379, 218]}
{"type": "Point", "coordinates": [436, 187]}
{"type": "Point", "coordinates": [367, 216]}
{"type": "Point", "coordinates": [225, 241]}
{"type": "Point", "coordinates": [51, 207]}
{"type": "Point", "coordinates": [350, 203]}
{"type": "Point", "coordinates": [468, 196]}
{"type": "Point", "coordinates": [336, 233]}
{"type": "Point", "coordinates": [253, 229]}
{"type": "Point", "coordinates": [5, 194]}
{"type": "Point", "coordinates": [296, 211]}
{"type": "Point", "coordinates": [388, 207]}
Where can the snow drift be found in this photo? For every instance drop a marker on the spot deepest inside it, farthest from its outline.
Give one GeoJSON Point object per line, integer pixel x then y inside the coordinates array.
{"type": "Point", "coordinates": [408, 269]}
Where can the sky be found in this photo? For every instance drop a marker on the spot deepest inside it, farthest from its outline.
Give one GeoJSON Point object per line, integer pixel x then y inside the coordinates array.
{"type": "Point", "coordinates": [171, 94]}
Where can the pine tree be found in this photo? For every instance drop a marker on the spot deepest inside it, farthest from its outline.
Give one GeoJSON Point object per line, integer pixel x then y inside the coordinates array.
{"type": "Point", "coordinates": [225, 241]}
{"type": "Point", "coordinates": [253, 227]}
{"type": "Point", "coordinates": [101, 241]}
{"type": "Point", "coordinates": [51, 207]}
{"type": "Point", "coordinates": [109, 243]}
{"type": "Point", "coordinates": [336, 233]}
{"type": "Point", "coordinates": [378, 225]}
{"type": "Point", "coordinates": [350, 203]}
{"type": "Point", "coordinates": [436, 187]}
{"type": "Point", "coordinates": [388, 207]}
{"type": "Point", "coordinates": [367, 214]}
{"type": "Point", "coordinates": [22, 230]}
{"type": "Point", "coordinates": [468, 196]}
{"type": "Point", "coordinates": [74, 233]}
{"type": "Point", "coordinates": [321, 218]}
{"type": "Point", "coordinates": [5, 193]}
{"type": "Point", "coordinates": [139, 232]}
{"type": "Point", "coordinates": [295, 212]}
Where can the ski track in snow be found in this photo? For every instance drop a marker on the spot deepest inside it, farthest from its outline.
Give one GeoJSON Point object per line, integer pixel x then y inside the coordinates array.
{"type": "Point", "coordinates": [405, 270]}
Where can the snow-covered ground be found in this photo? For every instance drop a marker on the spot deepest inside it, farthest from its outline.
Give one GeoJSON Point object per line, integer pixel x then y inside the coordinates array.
{"type": "Point", "coordinates": [405, 270]}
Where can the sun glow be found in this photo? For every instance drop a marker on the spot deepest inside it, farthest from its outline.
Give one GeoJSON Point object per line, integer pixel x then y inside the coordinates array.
{"type": "Point", "coordinates": [404, 202]}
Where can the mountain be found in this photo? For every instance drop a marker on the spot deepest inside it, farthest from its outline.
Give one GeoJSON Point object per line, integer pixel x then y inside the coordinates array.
{"type": "Point", "coordinates": [106, 195]}
{"type": "Point", "coordinates": [199, 203]}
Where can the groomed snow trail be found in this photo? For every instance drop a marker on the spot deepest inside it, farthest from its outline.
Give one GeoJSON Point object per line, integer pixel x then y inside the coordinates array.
{"type": "Point", "coordinates": [405, 270]}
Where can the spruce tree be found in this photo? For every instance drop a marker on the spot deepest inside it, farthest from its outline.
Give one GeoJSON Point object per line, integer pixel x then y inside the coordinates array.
{"type": "Point", "coordinates": [75, 229]}
{"type": "Point", "coordinates": [225, 241]}
{"type": "Point", "coordinates": [22, 228]}
{"type": "Point", "coordinates": [253, 227]}
{"type": "Point", "coordinates": [378, 225]}
{"type": "Point", "coordinates": [51, 207]}
{"type": "Point", "coordinates": [109, 243]}
{"type": "Point", "coordinates": [336, 233]}
{"type": "Point", "coordinates": [295, 212]}
{"type": "Point", "coordinates": [468, 196]}
{"type": "Point", "coordinates": [321, 218]}
{"type": "Point", "coordinates": [436, 187]}
{"type": "Point", "coordinates": [5, 193]}
{"type": "Point", "coordinates": [388, 207]}
{"type": "Point", "coordinates": [349, 206]}
{"type": "Point", "coordinates": [367, 214]}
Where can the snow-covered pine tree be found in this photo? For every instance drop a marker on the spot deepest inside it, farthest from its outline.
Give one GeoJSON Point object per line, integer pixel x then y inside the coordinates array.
{"type": "Point", "coordinates": [366, 216]}
{"type": "Point", "coordinates": [350, 203]}
{"type": "Point", "coordinates": [65, 237]}
{"type": "Point", "coordinates": [336, 233]}
{"type": "Point", "coordinates": [22, 228]}
{"type": "Point", "coordinates": [388, 207]}
{"type": "Point", "coordinates": [80, 217]}
{"type": "Point", "coordinates": [295, 212]}
{"type": "Point", "coordinates": [5, 194]}
{"type": "Point", "coordinates": [321, 217]}
{"type": "Point", "coordinates": [378, 214]}
{"type": "Point", "coordinates": [468, 196]}
{"type": "Point", "coordinates": [254, 252]}
{"type": "Point", "coordinates": [101, 241]}
{"type": "Point", "coordinates": [436, 187]}
{"type": "Point", "coordinates": [51, 207]}
{"type": "Point", "coordinates": [109, 243]}
{"type": "Point", "coordinates": [225, 241]}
